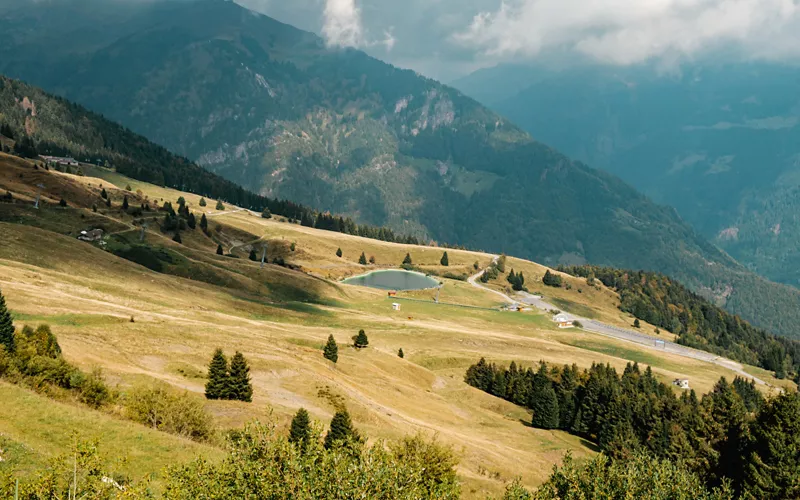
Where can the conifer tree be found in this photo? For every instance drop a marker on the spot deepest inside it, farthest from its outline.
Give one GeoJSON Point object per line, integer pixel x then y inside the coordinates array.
{"type": "Point", "coordinates": [636, 323]}
{"type": "Point", "coordinates": [239, 386]}
{"type": "Point", "coordinates": [217, 385]}
{"type": "Point", "coordinates": [400, 353]}
{"type": "Point", "coordinates": [341, 429]}
{"type": "Point", "coordinates": [220, 206]}
{"type": "Point", "coordinates": [203, 202]}
{"type": "Point", "coordinates": [361, 340]}
{"type": "Point", "coordinates": [407, 260]}
{"type": "Point", "coordinates": [177, 237]}
{"type": "Point", "coordinates": [339, 252]}
{"type": "Point", "coordinates": [331, 351]}
{"type": "Point", "coordinates": [544, 404]}
{"type": "Point", "coordinates": [6, 327]}
{"type": "Point", "coordinates": [445, 261]}
{"type": "Point", "coordinates": [363, 259]}
{"type": "Point", "coordinates": [300, 431]}
{"type": "Point", "coordinates": [103, 194]}
{"type": "Point", "coordinates": [191, 221]}
{"type": "Point", "coordinates": [204, 223]}
{"type": "Point", "coordinates": [125, 203]}
{"type": "Point", "coordinates": [219, 250]}
{"type": "Point", "coordinates": [772, 468]}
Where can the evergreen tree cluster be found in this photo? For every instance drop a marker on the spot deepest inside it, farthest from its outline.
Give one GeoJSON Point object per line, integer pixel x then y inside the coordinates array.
{"type": "Point", "coordinates": [665, 303]}
{"type": "Point", "coordinates": [230, 382]}
{"type": "Point", "coordinates": [517, 281]}
{"type": "Point", "coordinates": [551, 279]}
{"type": "Point", "coordinates": [731, 434]}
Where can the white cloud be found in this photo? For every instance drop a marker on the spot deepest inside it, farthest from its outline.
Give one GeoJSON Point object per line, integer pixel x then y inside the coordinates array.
{"type": "Point", "coordinates": [342, 24]}
{"type": "Point", "coordinates": [633, 31]}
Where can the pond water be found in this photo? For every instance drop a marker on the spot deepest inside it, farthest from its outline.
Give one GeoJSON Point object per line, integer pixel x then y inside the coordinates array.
{"type": "Point", "coordinates": [394, 279]}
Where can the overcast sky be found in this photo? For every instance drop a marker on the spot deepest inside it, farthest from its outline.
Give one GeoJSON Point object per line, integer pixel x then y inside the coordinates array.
{"type": "Point", "coordinates": [447, 38]}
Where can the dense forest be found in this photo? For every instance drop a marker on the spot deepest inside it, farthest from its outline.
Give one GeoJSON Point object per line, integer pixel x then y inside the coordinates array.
{"type": "Point", "coordinates": [729, 437]}
{"type": "Point", "coordinates": [663, 302]}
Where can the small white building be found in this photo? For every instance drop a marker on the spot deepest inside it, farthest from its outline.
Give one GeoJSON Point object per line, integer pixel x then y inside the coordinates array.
{"type": "Point", "coordinates": [563, 321]}
{"type": "Point", "coordinates": [395, 306]}
{"type": "Point", "coordinates": [683, 383]}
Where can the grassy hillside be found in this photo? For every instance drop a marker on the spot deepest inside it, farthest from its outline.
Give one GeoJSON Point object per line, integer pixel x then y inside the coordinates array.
{"type": "Point", "coordinates": [273, 109]}
{"type": "Point", "coordinates": [279, 318]}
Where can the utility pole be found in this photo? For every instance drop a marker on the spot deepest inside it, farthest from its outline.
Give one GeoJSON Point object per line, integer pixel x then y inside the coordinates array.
{"type": "Point", "coordinates": [39, 195]}
{"type": "Point", "coordinates": [141, 235]}
{"type": "Point", "coordinates": [263, 257]}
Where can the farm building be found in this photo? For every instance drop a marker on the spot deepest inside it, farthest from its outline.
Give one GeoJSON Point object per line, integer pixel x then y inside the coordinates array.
{"type": "Point", "coordinates": [563, 321]}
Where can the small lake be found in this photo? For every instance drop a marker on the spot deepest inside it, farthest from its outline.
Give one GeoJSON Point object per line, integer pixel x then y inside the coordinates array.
{"type": "Point", "coordinates": [394, 279]}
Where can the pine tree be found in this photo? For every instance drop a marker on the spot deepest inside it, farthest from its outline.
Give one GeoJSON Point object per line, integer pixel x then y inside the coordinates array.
{"type": "Point", "coordinates": [219, 250]}
{"type": "Point", "coordinates": [177, 237]}
{"type": "Point", "coordinates": [400, 353]}
{"type": "Point", "coordinates": [331, 351]}
{"type": "Point", "coordinates": [220, 206]}
{"type": "Point", "coordinates": [361, 340]}
{"type": "Point", "coordinates": [341, 429]}
{"type": "Point", "coordinates": [6, 327]}
{"type": "Point", "coordinates": [125, 203]}
{"type": "Point", "coordinates": [363, 259]}
{"type": "Point", "coordinates": [339, 252]}
{"type": "Point", "coordinates": [445, 261]}
{"type": "Point", "coordinates": [203, 202]}
{"type": "Point", "coordinates": [636, 323]}
{"type": "Point", "coordinates": [217, 385]}
{"type": "Point", "coordinates": [204, 223]}
{"type": "Point", "coordinates": [239, 386]}
{"type": "Point", "coordinates": [191, 221]}
{"type": "Point", "coordinates": [407, 260]}
{"type": "Point", "coordinates": [544, 404]}
{"type": "Point", "coordinates": [300, 431]}
{"type": "Point", "coordinates": [772, 463]}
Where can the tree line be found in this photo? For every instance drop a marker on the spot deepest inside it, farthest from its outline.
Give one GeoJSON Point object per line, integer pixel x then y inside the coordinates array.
{"type": "Point", "coordinates": [665, 303]}
{"type": "Point", "coordinates": [731, 436]}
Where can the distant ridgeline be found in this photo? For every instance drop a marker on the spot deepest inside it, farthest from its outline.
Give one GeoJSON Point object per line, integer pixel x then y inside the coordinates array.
{"type": "Point", "coordinates": [729, 435]}
{"type": "Point", "coordinates": [663, 302]}
{"type": "Point", "coordinates": [61, 128]}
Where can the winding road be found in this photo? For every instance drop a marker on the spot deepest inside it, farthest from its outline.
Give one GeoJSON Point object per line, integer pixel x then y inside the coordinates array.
{"type": "Point", "coordinates": [590, 325]}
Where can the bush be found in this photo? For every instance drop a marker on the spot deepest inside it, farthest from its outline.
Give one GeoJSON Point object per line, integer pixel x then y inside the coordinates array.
{"type": "Point", "coordinates": [94, 391]}
{"type": "Point", "coordinates": [161, 408]}
{"type": "Point", "coordinates": [262, 464]}
{"type": "Point", "coordinates": [640, 477]}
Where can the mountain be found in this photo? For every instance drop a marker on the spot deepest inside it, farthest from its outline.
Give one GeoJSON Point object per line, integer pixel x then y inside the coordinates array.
{"type": "Point", "coordinates": [272, 108]}
{"type": "Point", "coordinates": [719, 143]}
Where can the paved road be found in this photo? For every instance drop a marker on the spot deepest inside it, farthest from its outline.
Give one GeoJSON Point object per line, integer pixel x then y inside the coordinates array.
{"type": "Point", "coordinates": [524, 298]}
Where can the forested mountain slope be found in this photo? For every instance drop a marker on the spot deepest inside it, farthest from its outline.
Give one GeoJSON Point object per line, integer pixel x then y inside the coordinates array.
{"type": "Point", "coordinates": [270, 107]}
{"type": "Point", "coordinates": [718, 143]}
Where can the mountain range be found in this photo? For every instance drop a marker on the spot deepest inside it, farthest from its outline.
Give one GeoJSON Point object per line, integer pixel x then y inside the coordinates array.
{"type": "Point", "coordinates": [272, 108]}
{"type": "Point", "coordinates": [718, 142]}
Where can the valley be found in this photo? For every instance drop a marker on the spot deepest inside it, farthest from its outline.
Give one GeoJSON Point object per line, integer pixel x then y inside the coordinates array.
{"type": "Point", "coordinates": [142, 325]}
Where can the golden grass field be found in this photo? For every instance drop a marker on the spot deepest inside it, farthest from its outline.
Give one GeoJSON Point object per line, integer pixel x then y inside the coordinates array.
{"type": "Point", "coordinates": [280, 319]}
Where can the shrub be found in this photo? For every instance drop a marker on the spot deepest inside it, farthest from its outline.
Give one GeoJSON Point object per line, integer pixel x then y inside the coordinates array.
{"type": "Point", "coordinates": [94, 391]}
{"type": "Point", "coordinates": [161, 408]}
{"type": "Point", "coordinates": [203, 202]}
{"type": "Point", "coordinates": [262, 464]}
